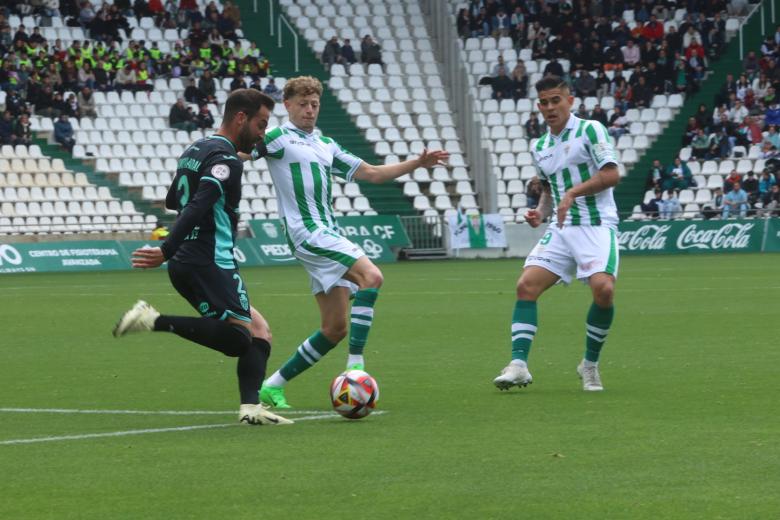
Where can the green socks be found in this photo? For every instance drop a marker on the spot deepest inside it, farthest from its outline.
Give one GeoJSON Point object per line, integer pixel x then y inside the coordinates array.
{"type": "Point", "coordinates": [308, 353]}
{"type": "Point", "coordinates": [361, 316]}
{"type": "Point", "coordinates": [597, 328]}
{"type": "Point", "coordinates": [523, 328]}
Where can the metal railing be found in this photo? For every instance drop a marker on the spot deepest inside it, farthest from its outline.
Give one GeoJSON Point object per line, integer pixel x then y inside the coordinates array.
{"type": "Point", "coordinates": [441, 24]}
{"type": "Point", "coordinates": [758, 8]}
{"type": "Point", "coordinates": [294, 35]}
{"type": "Point", "coordinates": [426, 235]}
{"type": "Point", "coordinates": [270, 14]}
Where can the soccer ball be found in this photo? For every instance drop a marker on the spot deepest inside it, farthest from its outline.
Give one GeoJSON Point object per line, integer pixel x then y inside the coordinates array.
{"type": "Point", "coordinates": [354, 394]}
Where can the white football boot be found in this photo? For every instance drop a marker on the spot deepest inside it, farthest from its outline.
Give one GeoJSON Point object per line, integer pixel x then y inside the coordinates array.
{"type": "Point", "coordinates": [591, 380]}
{"type": "Point", "coordinates": [514, 374]}
{"type": "Point", "coordinates": [138, 319]}
{"type": "Point", "coordinates": [258, 414]}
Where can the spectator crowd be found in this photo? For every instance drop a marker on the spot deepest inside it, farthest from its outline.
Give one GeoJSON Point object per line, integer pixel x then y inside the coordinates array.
{"type": "Point", "coordinates": [344, 54]}
{"type": "Point", "coordinates": [663, 55]}
{"type": "Point", "coordinates": [745, 114]}
{"type": "Point", "coordinates": [52, 79]}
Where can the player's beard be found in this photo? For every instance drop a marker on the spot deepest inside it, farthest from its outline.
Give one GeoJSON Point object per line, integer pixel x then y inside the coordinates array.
{"type": "Point", "coordinates": [246, 140]}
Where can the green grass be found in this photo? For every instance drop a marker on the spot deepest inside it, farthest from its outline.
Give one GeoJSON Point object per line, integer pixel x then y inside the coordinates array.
{"type": "Point", "coordinates": [687, 427]}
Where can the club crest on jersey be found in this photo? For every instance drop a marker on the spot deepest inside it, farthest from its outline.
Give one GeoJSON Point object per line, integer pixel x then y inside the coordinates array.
{"type": "Point", "coordinates": [220, 171]}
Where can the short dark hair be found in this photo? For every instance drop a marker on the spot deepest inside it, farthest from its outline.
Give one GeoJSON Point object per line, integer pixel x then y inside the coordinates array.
{"type": "Point", "coordinates": [550, 82]}
{"type": "Point", "coordinates": [248, 101]}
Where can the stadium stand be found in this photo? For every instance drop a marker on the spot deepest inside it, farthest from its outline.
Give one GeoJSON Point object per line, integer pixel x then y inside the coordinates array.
{"type": "Point", "coordinates": [393, 90]}
{"type": "Point", "coordinates": [634, 61]}
{"type": "Point", "coordinates": [129, 141]}
{"type": "Point", "coordinates": [390, 84]}
{"type": "Point", "coordinates": [733, 140]}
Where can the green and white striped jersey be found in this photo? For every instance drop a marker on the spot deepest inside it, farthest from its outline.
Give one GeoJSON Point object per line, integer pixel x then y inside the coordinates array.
{"type": "Point", "coordinates": [571, 158]}
{"type": "Point", "coordinates": [301, 166]}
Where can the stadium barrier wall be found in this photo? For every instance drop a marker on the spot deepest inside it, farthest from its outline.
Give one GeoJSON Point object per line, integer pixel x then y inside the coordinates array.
{"type": "Point", "coordinates": [381, 237]}
{"type": "Point", "coordinates": [657, 237]}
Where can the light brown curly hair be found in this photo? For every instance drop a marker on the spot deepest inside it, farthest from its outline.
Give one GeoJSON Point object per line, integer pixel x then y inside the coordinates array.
{"type": "Point", "coordinates": [302, 86]}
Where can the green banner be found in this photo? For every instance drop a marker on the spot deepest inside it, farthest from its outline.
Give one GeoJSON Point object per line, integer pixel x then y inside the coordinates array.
{"type": "Point", "coordinates": [244, 252]}
{"type": "Point", "coordinates": [97, 255]}
{"type": "Point", "coordinates": [686, 236]}
{"type": "Point", "coordinates": [269, 244]}
{"type": "Point", "coordinates": [384, 227]}
{"type": "Point", "coordinates": [772, 237]}
{"type": "Point", "coordinates": [380, 237]}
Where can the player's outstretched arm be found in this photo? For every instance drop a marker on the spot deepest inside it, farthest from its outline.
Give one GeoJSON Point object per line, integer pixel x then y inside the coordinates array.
{"type": "Point", "coordinates": [387, 172]}
{"type": "Point", "coordinates": [607, 177]}
{"type": "Point", "coordinates": [534, 217]}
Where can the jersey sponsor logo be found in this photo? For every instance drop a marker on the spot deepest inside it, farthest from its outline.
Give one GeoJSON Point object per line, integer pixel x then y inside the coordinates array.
{"type": "Point", "coordinates": [220, 171]}
{"type": "Point", "coordinates": [203, 307]}
{"type": "Point", "coordinates": [302, 143]}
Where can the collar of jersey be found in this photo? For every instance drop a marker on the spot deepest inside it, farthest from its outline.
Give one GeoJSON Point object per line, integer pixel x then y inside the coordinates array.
{"type": "Point", "coordinates": [300, 133]}
{"type": "Point", "coordinates": [217, 136]}
{"type": "Point", "coordinates": [570, 124]}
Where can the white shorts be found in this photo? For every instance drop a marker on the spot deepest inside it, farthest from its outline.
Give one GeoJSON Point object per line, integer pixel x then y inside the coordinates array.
{"type": "Point", "coordinates": [327, 256]}
{"type": "Point", "coordinates": [576, 250]}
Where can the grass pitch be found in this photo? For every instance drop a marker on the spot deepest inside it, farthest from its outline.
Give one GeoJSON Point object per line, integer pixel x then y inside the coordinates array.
{"type": "Point", "coordinates": [687, 427]}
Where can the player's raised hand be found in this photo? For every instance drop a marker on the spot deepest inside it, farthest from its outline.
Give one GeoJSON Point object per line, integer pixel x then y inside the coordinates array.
{"type": "Point", "coordinates": [433, 158]}
{"type": "Point", "coordinates": [563, 208]}
{"type": "Point", "coordinates": [533, 218]}
{"type": "Point", "coordinates": [147, 257]}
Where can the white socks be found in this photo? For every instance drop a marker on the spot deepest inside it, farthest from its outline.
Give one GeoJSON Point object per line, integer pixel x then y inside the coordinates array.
{"type": "Point", "coordinates": [354, 359]}
{"type": "Point", "coordinates": [276, 379]}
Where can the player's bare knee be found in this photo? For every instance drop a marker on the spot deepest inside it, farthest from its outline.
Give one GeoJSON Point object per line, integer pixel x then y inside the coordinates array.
{"type": "Point", "coordinates": [374, 279]}
{"type": "Point", "coordinates": [527, 290]}
{"type": "Point", "coordinates": [604, 294]}
{"type": "Point", "coordinates": [335, 332]}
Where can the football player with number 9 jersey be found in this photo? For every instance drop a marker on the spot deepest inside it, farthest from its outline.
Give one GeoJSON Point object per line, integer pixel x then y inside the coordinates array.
{"type": "Point", "coordinates": [576, 161]}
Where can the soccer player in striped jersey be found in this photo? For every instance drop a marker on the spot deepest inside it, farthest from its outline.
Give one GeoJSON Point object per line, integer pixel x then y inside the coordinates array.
{"type": "Point", "coordinates": [576, 162]}
{"type": "Point", "coordinates": [302, 164]}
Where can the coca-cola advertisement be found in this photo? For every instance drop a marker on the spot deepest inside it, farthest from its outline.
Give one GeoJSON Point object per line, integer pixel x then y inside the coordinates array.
{"type": "Point", "coordinates": [691, 236]}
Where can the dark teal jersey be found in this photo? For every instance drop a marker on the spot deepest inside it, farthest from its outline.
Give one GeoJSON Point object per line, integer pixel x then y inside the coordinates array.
{"type": "Point", "coordinates": [206, 192]}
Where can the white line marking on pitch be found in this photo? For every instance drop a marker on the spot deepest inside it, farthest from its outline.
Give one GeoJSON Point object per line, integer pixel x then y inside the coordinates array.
{"type": "Point", "coordinates": [141, 412]}
{"type": "Point", "coordinates": [149, 430]}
